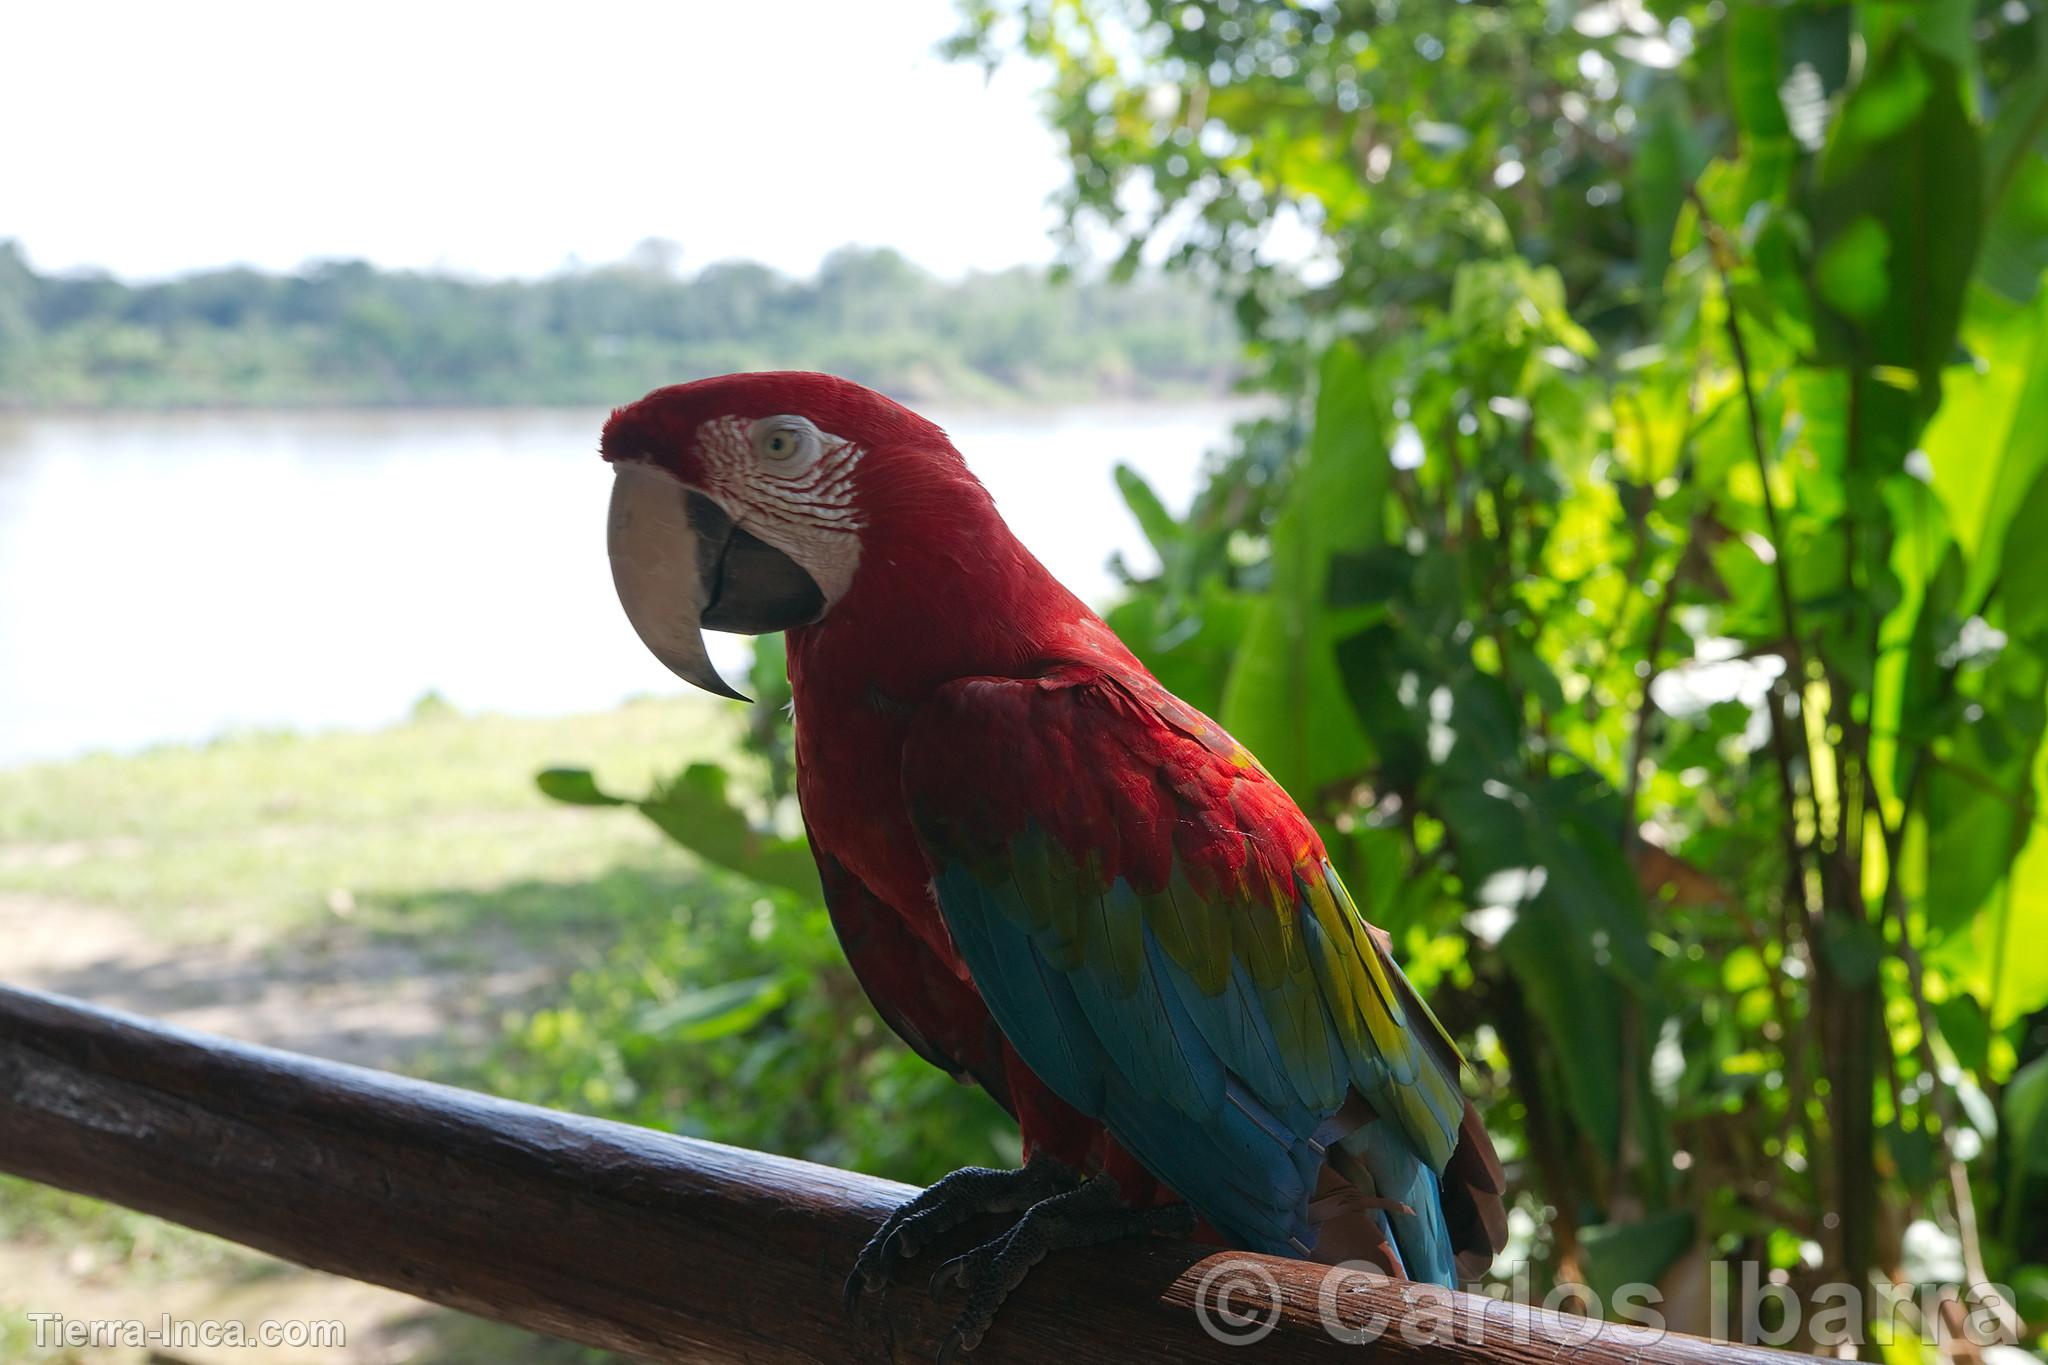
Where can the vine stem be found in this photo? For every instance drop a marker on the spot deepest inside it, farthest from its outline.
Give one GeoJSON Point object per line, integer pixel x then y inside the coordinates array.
{"type": "Point", "coordinates": [1781, 573]}
{"type": "Point", "coordinates": [1849, 1011]}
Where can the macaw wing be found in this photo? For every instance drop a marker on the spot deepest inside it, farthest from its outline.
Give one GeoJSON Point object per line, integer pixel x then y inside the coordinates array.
{"type": "Point", "coordinates": [1156, 929]}
{"type": "Point", "coordinates": [918, 996]}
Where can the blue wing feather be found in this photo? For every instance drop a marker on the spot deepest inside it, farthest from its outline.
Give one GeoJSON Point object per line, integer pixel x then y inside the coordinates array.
{"type": "Point", "coordinates": [1143, 1009]}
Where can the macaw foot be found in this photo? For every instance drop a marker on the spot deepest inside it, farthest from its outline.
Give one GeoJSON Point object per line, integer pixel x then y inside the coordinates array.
{"type": "Point", "coordinates": [1082, 1216]}
{"type": "Point", "coordinates": [953, 1200]}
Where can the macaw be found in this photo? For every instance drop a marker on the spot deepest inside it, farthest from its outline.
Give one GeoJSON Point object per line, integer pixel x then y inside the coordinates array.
{"type": "Point", "coordinates": [1052, 877]}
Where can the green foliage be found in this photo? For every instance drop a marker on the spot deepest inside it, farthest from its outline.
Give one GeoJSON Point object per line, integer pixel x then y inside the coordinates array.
{"type": "Point", "coordinates": [1284, 698]}
{"type": "Point", "coordinates": [695, 810]}
{"type": "Point", "coordinates": [342, 332]}
{"type": "Point", "coordinates": [1644, 587]}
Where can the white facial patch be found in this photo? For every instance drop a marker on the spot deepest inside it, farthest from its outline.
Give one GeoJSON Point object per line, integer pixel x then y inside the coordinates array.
{"type": "Point", "coordinates": [791, 485]}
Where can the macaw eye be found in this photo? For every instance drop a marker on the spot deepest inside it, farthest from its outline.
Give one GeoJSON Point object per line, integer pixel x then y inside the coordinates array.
{"type": "Point", "coordinates": [785, 440]}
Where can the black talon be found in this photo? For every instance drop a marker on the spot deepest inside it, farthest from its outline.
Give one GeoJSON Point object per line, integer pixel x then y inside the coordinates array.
{"type": "Point", "coordinates": [1085, 1216]}
{"type": "Point", "coordinates": [857, 1288]}
{"type": "Point", "coordinates": [953, 1200]}
{"type": "Point", "coordinates": [1060, 1211]}
{"type": "Point", "coordinates": [945, 1277]}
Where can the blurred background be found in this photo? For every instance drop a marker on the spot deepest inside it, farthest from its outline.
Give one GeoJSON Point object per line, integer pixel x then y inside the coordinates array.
{"type": "Point", "coordinates": [1593, 452]}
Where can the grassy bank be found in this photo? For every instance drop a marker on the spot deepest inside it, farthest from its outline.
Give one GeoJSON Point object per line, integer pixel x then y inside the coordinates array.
{"type": "Point", "coordinates": [407, 899]}
{"type": "Point", "coordinates": [275, 834]}
{"type": "Point", "coordinates": [400, 899]}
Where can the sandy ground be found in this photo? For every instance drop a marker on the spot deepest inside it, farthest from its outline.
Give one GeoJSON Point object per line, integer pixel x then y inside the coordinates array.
{"type": "Point", "coordinates": [342, 994]}
{"type": "Point", "coordinates": [339, 994]}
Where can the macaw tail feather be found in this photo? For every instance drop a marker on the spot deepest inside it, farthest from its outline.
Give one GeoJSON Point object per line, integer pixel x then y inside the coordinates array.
{"type": "Point", "coordinates": [1378, 1157]}
{"type": "Point", "coordinates": [1380, 1202]}
{"type": "Point", "coordinates": [1475, 1207]}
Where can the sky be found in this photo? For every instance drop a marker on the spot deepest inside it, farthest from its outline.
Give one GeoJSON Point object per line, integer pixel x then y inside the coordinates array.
{"type": "Point", "coordinates": [152, 139]}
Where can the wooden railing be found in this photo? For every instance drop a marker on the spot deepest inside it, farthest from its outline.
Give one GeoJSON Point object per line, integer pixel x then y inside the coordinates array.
{"type": "Point", "coordinates": [621, 1237]}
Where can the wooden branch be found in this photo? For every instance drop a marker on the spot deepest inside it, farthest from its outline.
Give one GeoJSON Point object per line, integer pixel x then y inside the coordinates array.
{"type": "Point", "coordinates": [622, 1237]}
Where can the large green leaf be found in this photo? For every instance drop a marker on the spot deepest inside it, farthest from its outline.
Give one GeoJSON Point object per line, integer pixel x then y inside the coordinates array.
{"type": "Point", "coordinates": [574, 787]}
{"type": "Point", "coordinates": [1580, 1007]}
{"type": "Point", "coordinates": [1976, 828]}
{"type": "Point", "coordinates": [1996, 955]}
{"type": "Point", "coordinates": [2026, 1116]}
{"type": "Point", "coordinates": [1667, 161]}
{"type": "Point", "coordinates": [2016, 187]}
{"type": "Point", "coordinates": [1756, 58]}
{"type": "Point", "coordinates": [1896, 217]}
{"type": "Point", "coordinates": [2020, 130]}
{"type": "Point", "coordinates": [695, 811]}
{"type": "Point", "coordinates": [2026, 1134]}
{"type": "Point", "coordinates": [1923, 561]}
{"type": "Point", "coordinates": [1285, 699]}
{"type": "Point", "coordinates": [2016, 235]}
{"type": "Point", "coordinates": [1543, 854]}
{"type": "Point", "coordinates": [1989, 442]}
{"type": "Point", "coordinates": [1154, 520]}
{"type": "Point", "coordinates": [2023, 565]}
{"type": "Point", "coordinates": [1621, 1254]}
{"type": "Point", "coordinates": [710, 1012]}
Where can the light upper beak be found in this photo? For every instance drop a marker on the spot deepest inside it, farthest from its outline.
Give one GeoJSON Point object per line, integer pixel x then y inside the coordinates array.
{"type": "Point", "coordinates": [680, 566]}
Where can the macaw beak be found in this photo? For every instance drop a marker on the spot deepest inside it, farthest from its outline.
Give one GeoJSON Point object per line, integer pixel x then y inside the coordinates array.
{"type": "Point", "coordinates": [681, 565]}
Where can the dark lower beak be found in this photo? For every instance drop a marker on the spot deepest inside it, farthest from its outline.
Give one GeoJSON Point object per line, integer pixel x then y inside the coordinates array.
{"type": "Point", "coordinates": [681, 565]}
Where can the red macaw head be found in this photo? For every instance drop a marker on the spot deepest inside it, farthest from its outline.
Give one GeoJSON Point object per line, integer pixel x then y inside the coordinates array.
{"type": "Point", "coordinates": [742, 503]}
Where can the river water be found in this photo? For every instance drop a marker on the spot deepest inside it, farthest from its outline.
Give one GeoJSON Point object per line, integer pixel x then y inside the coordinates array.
{"type": "Point", "coordinates": [174, 577]}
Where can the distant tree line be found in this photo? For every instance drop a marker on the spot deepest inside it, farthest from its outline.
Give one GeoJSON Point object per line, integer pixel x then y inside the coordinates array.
{"type": "Point", "coordinates": [346, 332]}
